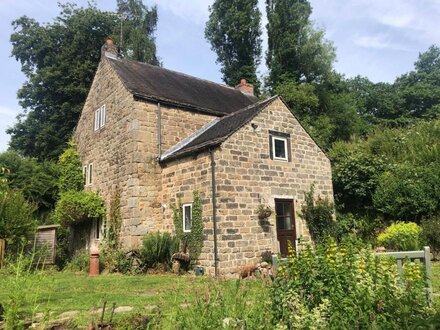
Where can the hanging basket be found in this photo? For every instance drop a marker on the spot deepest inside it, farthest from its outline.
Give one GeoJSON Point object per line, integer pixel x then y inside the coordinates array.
{"type": "Point", "coordinates": [264, 212]}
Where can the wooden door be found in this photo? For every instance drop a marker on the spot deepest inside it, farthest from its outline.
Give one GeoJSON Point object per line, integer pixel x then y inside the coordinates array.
{"type": "Point", "coordinates": [286, 230]}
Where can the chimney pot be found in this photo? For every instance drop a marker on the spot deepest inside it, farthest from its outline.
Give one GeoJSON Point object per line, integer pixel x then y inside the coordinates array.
{"type": "Point", "coordinates": [245, 88]}
{"type": "Point", "coordinates": [109, 49]}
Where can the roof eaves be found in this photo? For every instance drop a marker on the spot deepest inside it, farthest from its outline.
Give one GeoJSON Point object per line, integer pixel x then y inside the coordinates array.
{"type": "Point", "coordinates": [194, 150]}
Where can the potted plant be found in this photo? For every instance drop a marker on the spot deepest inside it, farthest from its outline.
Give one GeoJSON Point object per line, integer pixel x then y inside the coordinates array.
{"type": "Point", "coordinates": [264, 211]}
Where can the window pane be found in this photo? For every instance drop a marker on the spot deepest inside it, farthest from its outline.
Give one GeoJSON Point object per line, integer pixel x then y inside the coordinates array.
{"type": "Point", "coordinates": [280, 148]}
{"type": "Point", "coordinates": [97, 117]}
{"type": "Point", "coordinates": [280, 223]}
{"type": "Point", "coordinates": [102, 116]}
{"type": "Point", "coordinates": [187, 218]}
{"type": "Point", "coordinates": [90, 173]}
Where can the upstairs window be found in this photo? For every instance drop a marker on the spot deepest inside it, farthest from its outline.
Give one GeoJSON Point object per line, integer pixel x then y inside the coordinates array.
{"type": "Point", "coordinates": [279, 145]}
{"type": "Point", "coordinates": [90, 174]}
{"type": "Point", "coordinates": [187, 217]}
{"type": "Point", "coordinates": [100, 118]}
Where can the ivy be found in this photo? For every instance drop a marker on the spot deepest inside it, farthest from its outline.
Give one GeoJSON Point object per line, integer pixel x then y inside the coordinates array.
{"type": "Point", "coordinates": [75, 207]}
{"type": "Point", "coordinates": [318, 216]}
{"type": "Point", "coordinates": [114, 221]}
{"type": "Point", "coordinates": [193, 239]}
{"type": "Point", "coordinates": [71, 176]}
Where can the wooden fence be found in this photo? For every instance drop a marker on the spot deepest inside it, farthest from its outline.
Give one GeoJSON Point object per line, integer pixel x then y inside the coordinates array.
{"type": "Point", "coordinates": [423, 256]}
{"type": "Point", "coordinates": [2, 251]}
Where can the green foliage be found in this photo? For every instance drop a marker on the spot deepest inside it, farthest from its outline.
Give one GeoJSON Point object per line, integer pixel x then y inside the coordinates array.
{"type": "Point", "coordinates": [318, 216]}
{"type": "Point", "coordinates": [341, 287]}
{"type": "Point", "coordinates": [194, 239]}
{"type": "Point", "coordinates": [79, 263]}
{"type": "Point", "coordinates": [157, 248]}
{"type": "Point", "coordinates": [431, 230]}
{"type": "Point", "coordinates": [38, 181]}
{"type": "Point", "coordinates": [296, 50]}
{"type": "Point", "coordinates": [408, 192]}
{"type": "Point", "coordinates": [139, 25]}
{"type": "Point", "coordinates": [234, 31]}
{"type": "Point", "coordinates": [71, 176]}
{"type": "Point", "coordinates": [59, 60]}
{"type": "Point", "coordinates": [356, 177]}
{"type": "Point", "coordinates": [16, 217]}
{"type": "Point", "coordinates": [21, 280]}
{"type": "Point", "coordinates": [401, 236]}
{"type": "Point", "coordinates": [74, 207]}
{"type": "Point", "coordinates": [224, 305]}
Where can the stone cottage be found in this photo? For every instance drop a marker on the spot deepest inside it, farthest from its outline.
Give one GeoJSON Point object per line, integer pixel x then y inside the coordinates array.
{"type": "Point", "coordinates": [157, 135]}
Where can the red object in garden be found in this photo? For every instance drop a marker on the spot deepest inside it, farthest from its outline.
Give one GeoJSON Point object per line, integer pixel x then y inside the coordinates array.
{"type": "Point", "coordinates": [94, 262]}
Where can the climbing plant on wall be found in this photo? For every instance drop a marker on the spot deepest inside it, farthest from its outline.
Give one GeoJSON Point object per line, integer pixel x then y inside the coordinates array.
{"type": "Point", "coordinates": [194, 238]}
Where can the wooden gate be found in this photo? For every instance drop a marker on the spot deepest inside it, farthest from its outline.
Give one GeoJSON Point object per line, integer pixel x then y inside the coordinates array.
{"type": "Point", "coordinates": [2, 251]}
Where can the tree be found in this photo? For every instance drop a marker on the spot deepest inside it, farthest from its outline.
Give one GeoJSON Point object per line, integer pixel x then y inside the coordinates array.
{"type": "Point", "coordinates": [296, 50]}
{"type": "Point", "coordinates": [234, 31]}
{"type": "Point", "coordinates": [138, 27]}
{"type": "Point", "coordinates": [59, 60]}
{"type": "Point", "coordinates": [36, 180]}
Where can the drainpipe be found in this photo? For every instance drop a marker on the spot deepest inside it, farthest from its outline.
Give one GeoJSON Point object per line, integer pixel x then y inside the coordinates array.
{"type": "Point", "coordinates": [214, 212]}
{"type": "Point", "coordinates": [159, 128]}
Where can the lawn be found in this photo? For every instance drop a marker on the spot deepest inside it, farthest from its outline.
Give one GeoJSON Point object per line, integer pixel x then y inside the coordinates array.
{"type": "Point", "coordinates": [59, 292]}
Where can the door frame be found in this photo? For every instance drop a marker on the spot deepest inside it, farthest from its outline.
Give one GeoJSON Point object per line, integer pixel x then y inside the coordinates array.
{"type": "Point", "coordinates": [293, 219]}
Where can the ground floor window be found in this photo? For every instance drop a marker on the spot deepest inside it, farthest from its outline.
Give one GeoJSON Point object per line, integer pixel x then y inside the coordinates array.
{"type": "Point", "coordinates": [187, 217]}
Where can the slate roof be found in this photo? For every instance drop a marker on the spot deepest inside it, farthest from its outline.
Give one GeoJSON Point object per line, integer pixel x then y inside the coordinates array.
{"type": "Point", "coordinates": [157, 84]}
{"type": "Point", "coordinates": [215, 132]}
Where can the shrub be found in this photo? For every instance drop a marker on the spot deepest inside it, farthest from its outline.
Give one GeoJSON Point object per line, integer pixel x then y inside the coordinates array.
{"type": "Point", "coordinates": [74, 207]}
{"type": "Point", "coordinates": [431, 230]}
{"type": "Point", "coordinates": [16, 220]}
{"type": "Point", "coordinates": [79, 263]}
{"type": "Point", "coordinates": [157, 248]}
{"type": "Point", "coordinates": [401, 236]}
{"type": "Point", "coordinates": [342, 287]}
{"type": "Point", "coordinates": [318, 216]}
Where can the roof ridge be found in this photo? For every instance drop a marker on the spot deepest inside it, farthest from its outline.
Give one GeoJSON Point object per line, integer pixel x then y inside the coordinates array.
{"type": "Point", "coordinates": [268, 100]}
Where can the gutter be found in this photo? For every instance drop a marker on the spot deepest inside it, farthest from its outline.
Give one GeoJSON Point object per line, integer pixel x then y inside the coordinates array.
{"type": "Point", "coordinates": [214, 211]}
{"type": "Point", "coordinates": [159, 133]}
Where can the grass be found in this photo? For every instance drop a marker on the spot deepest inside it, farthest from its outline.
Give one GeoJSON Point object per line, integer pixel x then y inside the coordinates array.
{"type": "Point", "coordinates": [68, 291]}
{"type": "Point", "coordinates": [436, 282]}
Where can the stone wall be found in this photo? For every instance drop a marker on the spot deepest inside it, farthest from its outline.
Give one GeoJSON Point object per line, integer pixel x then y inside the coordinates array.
{"type": "Point", "coordinates": [246, 177]}
{"type": "Point", "coordinates": [124, 152]}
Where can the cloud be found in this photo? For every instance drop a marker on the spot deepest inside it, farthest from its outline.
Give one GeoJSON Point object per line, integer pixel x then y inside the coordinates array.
{"type": "Point", "coordinates": [379, 42]}
{"type": "Point", "coordinates": [195, 11]}
{"type": "Point", "coordinates": [7, 112]}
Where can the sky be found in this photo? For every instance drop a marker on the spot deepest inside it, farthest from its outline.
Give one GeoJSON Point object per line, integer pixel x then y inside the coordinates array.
{"type": "Point", "coordinates": [378, 39]}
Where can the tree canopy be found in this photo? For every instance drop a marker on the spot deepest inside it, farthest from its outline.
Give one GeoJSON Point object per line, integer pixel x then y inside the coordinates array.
{"type": "Point", "coordinates": [59, 60]}
{"type": "Point", "coordinates": [234, 31]}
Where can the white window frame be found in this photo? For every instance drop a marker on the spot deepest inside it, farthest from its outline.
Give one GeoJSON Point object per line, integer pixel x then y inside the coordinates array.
{"type": "Point", "coordinates": [90, 174]}
{"type": "Point", "coordinates": [286, 151]}
{"type": "Point", "coordinates": [97, 119]}
{"type": "Point", "coordinates": [183, 217]}
{"type": "Point", "coordinates": [102, 116]}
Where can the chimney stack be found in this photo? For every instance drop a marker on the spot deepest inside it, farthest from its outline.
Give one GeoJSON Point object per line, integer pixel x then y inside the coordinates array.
{"type": "Point", "coordinates": [245, 88]}
{"type": "Point", "coordinates": [109, 49]}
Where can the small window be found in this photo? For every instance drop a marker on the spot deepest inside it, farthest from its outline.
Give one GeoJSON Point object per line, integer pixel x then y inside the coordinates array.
{"type": "Point", "coordinates": [85, 175]}
{"type": "Point", "coordinates": [90, 174]}
{"type": "Point", "coordinates": [187, 217]}
{"type": "Point", "coordinates": [97, 231]}
{"type": "Point", "coordinates": [279, 148]}
{"type": "Point", "coordinates": [102, 116]}
{"type": "Point", "coordinates": [97, 119]}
